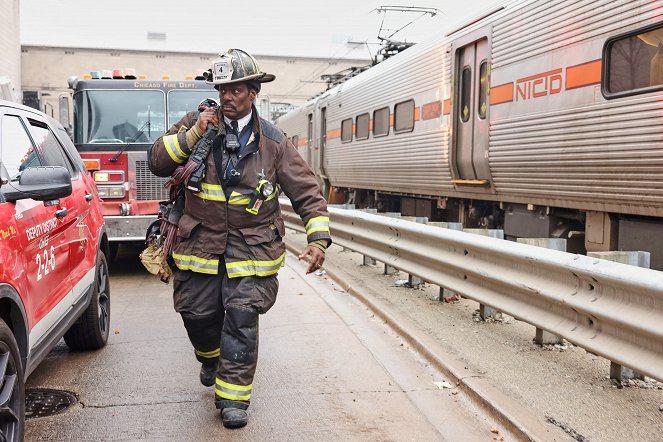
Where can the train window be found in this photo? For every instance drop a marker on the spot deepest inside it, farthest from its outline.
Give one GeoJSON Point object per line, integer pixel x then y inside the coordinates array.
{"type": "Point", "coordinates": [381, 122]}
{"type": "Point", "coordinates": [404, 117]}
{"type": "Point", "coordinates": [465, 93]}
{"type": "Point", "coordinates": [346, 130]}
{"type": "Point", "coordinates": [295, 141]}
{"type": "Point", "coordinates": [482, 105]}
{"type": "Point", "coordinates": [633, 63]}
{"type": "Point", "coordinates": [361, 131]}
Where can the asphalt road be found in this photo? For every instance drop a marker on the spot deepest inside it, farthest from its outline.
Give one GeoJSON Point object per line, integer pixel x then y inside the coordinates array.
{"type": "Point", "coordinates": [328, 370]}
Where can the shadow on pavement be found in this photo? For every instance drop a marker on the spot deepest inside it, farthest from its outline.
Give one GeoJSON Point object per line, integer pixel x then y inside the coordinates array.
{"type": "Point", "coordinates": [126, 261]}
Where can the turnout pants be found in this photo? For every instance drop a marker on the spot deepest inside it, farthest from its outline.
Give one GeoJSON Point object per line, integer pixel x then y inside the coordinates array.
{"type": "Point", "coordinates": [220, 315]}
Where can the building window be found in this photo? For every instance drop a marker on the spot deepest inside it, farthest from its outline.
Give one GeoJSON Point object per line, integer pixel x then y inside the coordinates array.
{"type": "Point", "coordinates": [381, 122]}
{"type": "Point", "coordinates": [346, 130]}
{"type": "Point", "coordinates": [404, 117]}
{"type": "Point", "coordinates": [362, 126]}
{"type": "Point", "coordinates": [482, 104]}
{"type": "Point", "coordinates": [633, 63]}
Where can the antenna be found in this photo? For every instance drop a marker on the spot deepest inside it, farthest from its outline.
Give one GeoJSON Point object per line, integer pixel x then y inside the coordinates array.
{"type": "Point", "coordinates": [392, 47]}
{"type": "Point", "coordinates": [408, 9]}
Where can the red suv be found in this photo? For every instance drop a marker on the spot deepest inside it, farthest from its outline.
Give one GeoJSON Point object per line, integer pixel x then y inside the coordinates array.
{"type": "Point", "coordinates": [53, 248]}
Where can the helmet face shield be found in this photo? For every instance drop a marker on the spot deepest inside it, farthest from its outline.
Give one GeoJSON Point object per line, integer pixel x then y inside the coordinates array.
{"type": "Point", "coordinates": [234, 66]}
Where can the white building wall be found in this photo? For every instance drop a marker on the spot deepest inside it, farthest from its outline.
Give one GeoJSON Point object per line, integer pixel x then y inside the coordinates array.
{"type": "Point", "coordinates": [46, 69]}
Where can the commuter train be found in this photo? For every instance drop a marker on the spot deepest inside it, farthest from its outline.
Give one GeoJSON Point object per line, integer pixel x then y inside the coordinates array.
{"type": "Point", "coordinates": [541, 117]}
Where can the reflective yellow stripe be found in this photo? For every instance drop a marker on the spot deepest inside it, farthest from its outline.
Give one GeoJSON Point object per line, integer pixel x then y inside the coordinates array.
{"type": "Point", "coordinates": [238, 198]}
{"type": "Point", "coordinates": [213, 192]}
{"type": "Point", "coordinates": [196, 264]}
{"type": "Point", "coordinates": [317, 224]}
{"type": "Point", "coordinates": [273, 195]}
{"type": "Point", "coordinates": [232, 397]}
{"type": "Point", "coordinates": [233, 386]}
{"type": "Point", "coordinates": [209, 354]}
{"type": "Point", "coordinates": [234, 392]}
{"type": "Point", "coordinates": [251, 267]}
{"type": "Point", "coordinates": [176, 154]}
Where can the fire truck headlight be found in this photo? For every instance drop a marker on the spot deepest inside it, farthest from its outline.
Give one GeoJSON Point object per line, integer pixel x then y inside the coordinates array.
{"type": "Point", "coordinates": [108, 177]}
{"type": "Point", "coordinates": [111, 191]}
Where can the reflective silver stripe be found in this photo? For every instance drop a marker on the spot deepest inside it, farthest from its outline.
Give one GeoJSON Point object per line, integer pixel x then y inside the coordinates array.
{"type": "Point", "coordinates": [238, 198]}
{"type": "Point", "coordinates": [196, 264]}
{"type": "Point", "coordinates": [173, 148]}
{"type": "Point", "coordinates": [250, 267]}
{"type": "Point", "coordinates": [317, 224]}
{"type": "Point", "coordinates": [213, 192]}
{"type": "Point", "coordinates": [226, 390]}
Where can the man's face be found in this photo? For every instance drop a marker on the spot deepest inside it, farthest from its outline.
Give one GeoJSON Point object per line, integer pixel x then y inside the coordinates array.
{"type": "Point", "coordinates": [236, 100]}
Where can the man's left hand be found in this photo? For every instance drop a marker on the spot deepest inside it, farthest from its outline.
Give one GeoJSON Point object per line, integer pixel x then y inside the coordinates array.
{"type": "Point", "coordinates": [316, 258]}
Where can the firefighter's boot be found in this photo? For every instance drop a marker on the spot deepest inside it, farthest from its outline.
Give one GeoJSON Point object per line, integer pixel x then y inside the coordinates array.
{"type": "Point", "coordinates": [208, 374]}
{"type": "Point", "coordinates": [234, 417]}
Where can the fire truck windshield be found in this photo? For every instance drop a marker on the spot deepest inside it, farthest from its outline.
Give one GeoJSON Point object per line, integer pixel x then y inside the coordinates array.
{"type": "Point", "coordinates": [182, 101]}
{"type": "Point", "coordinates": [119, 116]}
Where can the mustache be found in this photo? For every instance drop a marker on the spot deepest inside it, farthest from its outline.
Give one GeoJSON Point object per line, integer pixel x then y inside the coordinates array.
{"type": "Point", "coordinates": [228, 104]}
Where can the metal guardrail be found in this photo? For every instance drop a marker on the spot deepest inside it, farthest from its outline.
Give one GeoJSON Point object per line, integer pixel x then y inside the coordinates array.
{"type": "Point", "coordinates": [611, 309]}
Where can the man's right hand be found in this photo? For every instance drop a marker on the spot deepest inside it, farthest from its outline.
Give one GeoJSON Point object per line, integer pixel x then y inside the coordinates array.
{"type": "Point", "coordinates": [209, 116]}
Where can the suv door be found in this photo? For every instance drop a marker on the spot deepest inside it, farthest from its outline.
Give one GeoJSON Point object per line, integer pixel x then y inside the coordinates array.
{"type": "Point", "coordinates": [42, 231]}
{"type": "Point", "coordinates": [76, 205]}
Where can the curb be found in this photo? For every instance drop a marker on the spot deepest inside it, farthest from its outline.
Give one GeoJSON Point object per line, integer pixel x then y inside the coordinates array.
{"type": "Point", "coordinates": [507, 411]}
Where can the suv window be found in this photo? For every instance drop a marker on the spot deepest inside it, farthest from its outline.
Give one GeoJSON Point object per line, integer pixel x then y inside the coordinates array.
{"type": "Point", "coordinates": [49, 147]}
{"type": "Point", "coordinates": [16, 150]}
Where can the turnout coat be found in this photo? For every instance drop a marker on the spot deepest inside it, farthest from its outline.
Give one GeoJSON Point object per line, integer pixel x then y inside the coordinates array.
{"type": "Point", "coordinates": [215, 222]}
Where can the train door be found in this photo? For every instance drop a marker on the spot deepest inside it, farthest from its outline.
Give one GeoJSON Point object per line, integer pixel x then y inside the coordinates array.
{"type": "Point", "coordinates": [309, 141]}
{"type": "Point", "coordinates": [471, 114]}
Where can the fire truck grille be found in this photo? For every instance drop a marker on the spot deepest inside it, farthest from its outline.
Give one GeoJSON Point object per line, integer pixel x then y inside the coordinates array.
{"type": "Point", "coordinates": [148, 185]}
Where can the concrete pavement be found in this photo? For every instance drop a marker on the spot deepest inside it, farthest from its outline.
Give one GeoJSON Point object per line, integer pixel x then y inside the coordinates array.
{"type": "Point", "coordinates": [328, 370]}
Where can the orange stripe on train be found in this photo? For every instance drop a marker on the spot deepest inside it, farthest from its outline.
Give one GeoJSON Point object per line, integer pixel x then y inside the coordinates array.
{"type": "Point", "coordinates": [501, 94]}
{"type": "Point", "coordinates": [431, 110]}
{"type": "Point", "coordinates": [585, 74]}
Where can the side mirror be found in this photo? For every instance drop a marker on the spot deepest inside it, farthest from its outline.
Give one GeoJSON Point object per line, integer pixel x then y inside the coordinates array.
{"type": "Point", "coordinates": [43, 183]}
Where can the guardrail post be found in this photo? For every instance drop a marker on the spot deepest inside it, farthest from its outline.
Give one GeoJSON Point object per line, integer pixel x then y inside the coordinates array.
{"type": "Point", "coordinates": [367, 259]}
{"type": "Point", "coordinates": [345, 207]}
{"type": "Point", "coordinates": [542, 336]}
{"type": "Point", "coordinates": [486, 311]}
{"type": "Point", "coordinates": [447, 295]}
{"type": "Point", "coordinates": [415, 281]}
{"type": "Point", "coordinates": [389, 270]}
{"type": "Point", "coordinates": [640, 259]}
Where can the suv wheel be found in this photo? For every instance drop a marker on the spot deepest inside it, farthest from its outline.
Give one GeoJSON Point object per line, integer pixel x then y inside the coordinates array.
{"type": "Point", "coordinates": [12, 388]}
{"type": "Point", "coordinates": [90, 332]}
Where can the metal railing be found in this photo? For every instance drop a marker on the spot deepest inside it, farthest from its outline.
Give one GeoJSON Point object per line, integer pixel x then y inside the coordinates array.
{"type": "Point", "coordinates": [611, 309]}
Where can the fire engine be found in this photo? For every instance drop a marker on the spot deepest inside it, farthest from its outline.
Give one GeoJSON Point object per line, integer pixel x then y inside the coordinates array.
{"type": "Point", "coordinates": [117, 118]}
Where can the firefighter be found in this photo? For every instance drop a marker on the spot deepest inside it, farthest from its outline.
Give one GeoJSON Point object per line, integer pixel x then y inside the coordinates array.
{"type": "Point", "coordinates": [229, 245]}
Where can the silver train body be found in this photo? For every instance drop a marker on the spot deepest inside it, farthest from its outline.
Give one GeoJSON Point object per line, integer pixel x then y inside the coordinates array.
{"type": "Point", "coordinates": [542, 117]}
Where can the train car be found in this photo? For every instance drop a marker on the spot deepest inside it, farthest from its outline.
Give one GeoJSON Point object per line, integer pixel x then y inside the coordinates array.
{"type": "Point", "coordinates": [541, 117]}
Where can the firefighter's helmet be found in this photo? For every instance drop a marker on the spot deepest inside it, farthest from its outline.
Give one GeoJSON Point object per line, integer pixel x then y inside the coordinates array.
{"type": "Point", "coordinates": [233, 66]}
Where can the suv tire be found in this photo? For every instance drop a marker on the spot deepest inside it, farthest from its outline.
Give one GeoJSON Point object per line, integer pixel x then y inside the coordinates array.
{"type": "Point", "coordinates": [90, 332]}
{"type": "Point", "coordinates": [12, 387]}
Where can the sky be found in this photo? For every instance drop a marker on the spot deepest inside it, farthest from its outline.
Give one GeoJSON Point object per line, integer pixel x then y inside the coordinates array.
{"type": "Point", "coordinates": [304, 28]}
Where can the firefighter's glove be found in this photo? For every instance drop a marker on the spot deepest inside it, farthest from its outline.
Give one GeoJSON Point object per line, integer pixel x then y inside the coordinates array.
{"type": "Point", "coordinates": [153, 260]}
